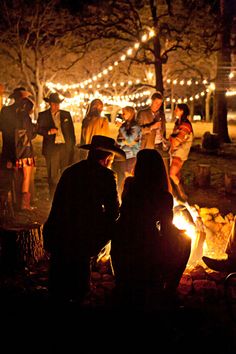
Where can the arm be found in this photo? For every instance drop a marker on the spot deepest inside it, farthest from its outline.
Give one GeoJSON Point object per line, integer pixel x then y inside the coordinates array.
{"type": "Point", "coordinates": [111, 201]}
{"type": "Point", "coordinates": [42, 128]}
{"type": "Point", "coordinates": [72, 129]}
{"type": "Point", "coordinates": [181, 136]}
{"type": "Point", "coordinates": [45, 124]}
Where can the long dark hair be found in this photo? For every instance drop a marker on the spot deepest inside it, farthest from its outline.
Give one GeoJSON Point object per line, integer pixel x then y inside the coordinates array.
{"type": "Point", "coordinates": [92, 108]}
{"type": "Point", "coordinates": [184, 107]}
{"type": "Point", "coordinates": [150, 171]}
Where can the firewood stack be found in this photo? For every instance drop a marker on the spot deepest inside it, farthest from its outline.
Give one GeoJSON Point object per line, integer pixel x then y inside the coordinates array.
{"type": "Point", "coordinates": [217, 229]}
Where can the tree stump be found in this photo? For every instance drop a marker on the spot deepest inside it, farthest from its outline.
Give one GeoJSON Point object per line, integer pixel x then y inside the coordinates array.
{"type": "Point", "coordinates": [210, 142]}
{"type": "Point", "coordinates": [230, 182]}
{"type": "Point", "coordinates": [202, 176]}
{"type": "Point", "coordinates": [20, 246]}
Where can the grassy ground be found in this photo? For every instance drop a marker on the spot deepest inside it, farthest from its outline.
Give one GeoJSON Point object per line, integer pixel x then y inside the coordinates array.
{"type": "Point", "coordinates": [213, 196]}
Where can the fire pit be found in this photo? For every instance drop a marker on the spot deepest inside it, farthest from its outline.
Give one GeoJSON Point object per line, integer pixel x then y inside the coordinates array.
{"type": "Point", "coordinates": [208, 229]}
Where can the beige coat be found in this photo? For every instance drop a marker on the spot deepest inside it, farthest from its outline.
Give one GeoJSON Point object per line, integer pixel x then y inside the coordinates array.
{"type": "Point", "coordinates": [145, 119]}
{"type": "Point", "coordinates": [93, 125]}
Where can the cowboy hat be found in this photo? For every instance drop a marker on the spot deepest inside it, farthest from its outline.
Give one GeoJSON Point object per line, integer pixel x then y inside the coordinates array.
{"type": "Point", "coordinates": [104, 143]}
{"type": "Point", "coordinates": [53, 97]}
{"type": "Point", "coordinates": [20, 92]}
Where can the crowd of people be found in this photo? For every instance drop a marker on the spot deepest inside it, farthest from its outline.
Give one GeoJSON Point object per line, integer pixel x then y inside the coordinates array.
{"type": "Point", "coordinates": [120, 192]}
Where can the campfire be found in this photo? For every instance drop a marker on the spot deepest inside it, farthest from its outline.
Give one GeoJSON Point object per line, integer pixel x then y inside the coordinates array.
{"type": "Point", "coordinates": [208, 229]}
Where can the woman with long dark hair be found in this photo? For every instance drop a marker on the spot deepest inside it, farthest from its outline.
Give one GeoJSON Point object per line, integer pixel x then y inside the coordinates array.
{"type": "Point", "coordinates": [148, 253]}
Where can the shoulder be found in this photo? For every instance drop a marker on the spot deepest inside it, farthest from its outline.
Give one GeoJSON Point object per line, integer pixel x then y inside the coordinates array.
{"type": "Point", "coordinates": [129, 181]}
{"type": "Point", "coordinates": [143, 111]}
{"type": "Point", "coordinates": [108, 172]}
{"type": "Point", "coordinates": [6, 109]}
{"type": "Point", "coordinates": [186, 125]}
{"type": "Point", "coordinates": [65, 113]}
{"type": "Point", "coordinates": [44, 113]}
{"type": "Point", "coordinates": [104, 118]}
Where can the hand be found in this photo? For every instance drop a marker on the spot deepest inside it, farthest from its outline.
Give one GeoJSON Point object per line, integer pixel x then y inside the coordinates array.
{"type": "Point", "coordinates": [155, 125]}
{"type": "Point", "coordinates": [52, 131]}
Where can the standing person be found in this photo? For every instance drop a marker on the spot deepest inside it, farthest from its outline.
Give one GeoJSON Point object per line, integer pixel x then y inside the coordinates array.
{"type": "Point", "coordinates": [81, 220]}
{"type": "Point", "coordinates": [17, 151]}
{"type": "Point", "coordinates": [129, 140]}
{"type": "Point", "coordinates": [93, 124]}
{"type": "Point", "coordinates": [25, 132]}
{"type": "Point", "coordinates": [148, 262]}
{"type": "Point", "coordinates": [8, 125]}
{"type": "Point", "coordinates": [153, 124]}
{"type": "Point", "coordinates": [180, 143]}
{"type": "Point", "coordinates": [57, 128]}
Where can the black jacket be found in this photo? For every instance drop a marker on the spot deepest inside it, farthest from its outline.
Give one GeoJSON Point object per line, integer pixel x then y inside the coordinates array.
{"type": "Point", "coordinates": [84, 210]}
{"type": "Point", "coordinates": [45, 123]}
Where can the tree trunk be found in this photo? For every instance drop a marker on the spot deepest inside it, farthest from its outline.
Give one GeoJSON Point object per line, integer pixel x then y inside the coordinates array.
{"type": "Point", "coordinates": [207, 105]}
{"type": "Point", "coordinates": [157, 49]}
{"type": "Point", "coordinates": [223, 69]}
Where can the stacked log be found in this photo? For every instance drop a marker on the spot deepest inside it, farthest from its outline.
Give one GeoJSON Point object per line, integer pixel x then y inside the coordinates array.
{"type": "Point", "coordinates": [217, 230]}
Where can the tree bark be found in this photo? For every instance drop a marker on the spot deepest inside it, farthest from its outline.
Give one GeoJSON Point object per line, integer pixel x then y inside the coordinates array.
{"type": "Point", "coordinates": [223, 69]}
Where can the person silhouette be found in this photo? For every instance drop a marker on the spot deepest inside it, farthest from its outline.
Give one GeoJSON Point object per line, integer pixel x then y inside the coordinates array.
{"type": "Point", "coordinates": [81, 220]}
{"type": "Point", "coordinates": [148, 253]}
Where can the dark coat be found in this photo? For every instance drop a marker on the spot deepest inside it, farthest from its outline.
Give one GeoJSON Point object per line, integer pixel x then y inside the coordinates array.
{"type": "Point", "coordinates": [83, 212]}
{"type": "Point", "coordinates": [12, 120]}
{"type": "Point", "coordinates": [7, 126]}
{"type": "Point", "coordinates": [45, 123]}
{"type": "Point", "coordinates": [134, 249]}
{"type": "Point", "coordinates": [141, 254]}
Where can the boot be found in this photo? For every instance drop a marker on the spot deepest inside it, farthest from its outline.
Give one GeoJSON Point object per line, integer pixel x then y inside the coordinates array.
{"type": "Point", "coordinates": [25, 201]}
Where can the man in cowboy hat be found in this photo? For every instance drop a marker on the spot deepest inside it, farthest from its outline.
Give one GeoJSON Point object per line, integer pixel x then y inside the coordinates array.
{"type": "Point", "coordinates": [83, 213]}
{"type": "Point", "coordinates": [57, 128]}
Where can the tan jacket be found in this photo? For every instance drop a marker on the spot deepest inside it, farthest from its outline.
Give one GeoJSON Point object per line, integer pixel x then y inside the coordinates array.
{"type": "Point", "coordinates": [93, 125]}
{"type": "Point", "coordinates": [145, 119]}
